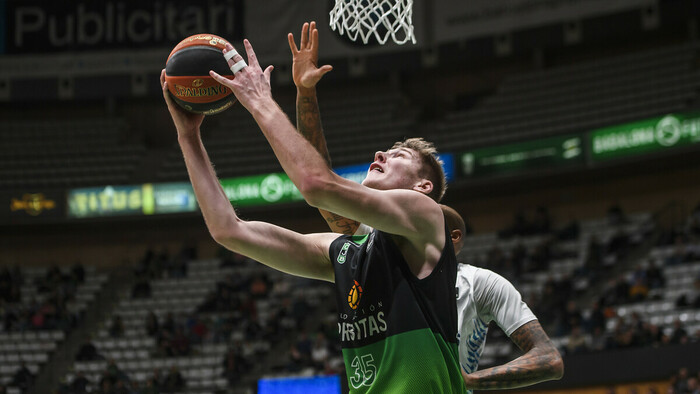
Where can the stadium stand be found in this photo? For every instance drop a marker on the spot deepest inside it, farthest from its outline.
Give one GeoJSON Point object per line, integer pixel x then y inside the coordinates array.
{"type": "Point", "coordinates": [199, 322]}
{"type": "Point", "coordinates": [580, 97]}
{"type": "Point", "coordinates": [40, 307]}
{"type": "Point", "coordinates": [45, 154]}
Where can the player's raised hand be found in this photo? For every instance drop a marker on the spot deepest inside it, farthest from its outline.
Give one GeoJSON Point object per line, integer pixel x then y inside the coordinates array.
{"type": "Point", "coordinates": [305, 70]}
{"type": "Point", "coordinates": [250, 84]}
{"type": "Point", "coordinates": [185, 122]}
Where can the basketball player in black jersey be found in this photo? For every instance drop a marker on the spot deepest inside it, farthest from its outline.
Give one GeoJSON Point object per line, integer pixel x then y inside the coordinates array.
{"type": "Point", "coordinates": [394, 285]}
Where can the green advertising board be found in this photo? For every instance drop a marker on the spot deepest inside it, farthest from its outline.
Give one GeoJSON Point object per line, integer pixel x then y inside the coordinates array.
{"type": "Point", "coordinates": [163, 198]}
{"type": "Point", "coordinates": [645, 136]}
{"type": "Point", "coordinates": [260, 190]}
{"type": "Point", "coordinates": [530, 155]}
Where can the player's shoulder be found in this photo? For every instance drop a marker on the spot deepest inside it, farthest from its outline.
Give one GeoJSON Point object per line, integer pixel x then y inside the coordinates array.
{"type": "Point", "coordinates": [483, 279]}
{"type": "Point", "coordinates": [476, 273]}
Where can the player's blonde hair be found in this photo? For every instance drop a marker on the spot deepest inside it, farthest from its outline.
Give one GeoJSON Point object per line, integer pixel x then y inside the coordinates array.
{"type": "Point", "coordinates": [432, 165]}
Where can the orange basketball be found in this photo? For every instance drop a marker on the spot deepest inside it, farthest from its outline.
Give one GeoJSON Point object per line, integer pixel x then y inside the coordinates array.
{"type": "Point", "coordinates": [187, 74]}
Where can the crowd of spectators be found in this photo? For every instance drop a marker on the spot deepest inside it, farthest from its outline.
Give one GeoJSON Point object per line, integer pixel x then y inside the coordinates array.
{"type": "Point", "coordinates": [48, 309]}
{"type": "Point", "coordinates": [115, 381]}
{"type": "Point", "coordinates": [684, 382]}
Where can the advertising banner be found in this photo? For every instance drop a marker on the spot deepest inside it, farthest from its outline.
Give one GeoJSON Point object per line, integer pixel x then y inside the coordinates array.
{"type": "Point", "coordinates": [40, 26]}
{"type": "Point", "coordinates": [32, 206]}
{"type": "Point", "coordinates": [173, 198]}
{"type": "Point", "coordinates": [111, 201]}
{"type": "Point", "coordinates": [260, 190]}
{"type": "Point", "coordinates": [644, 136]}
{"type": "Point", "coordinates": [530, 155]}
{"type": "Point", "coordinates": [457, 19]}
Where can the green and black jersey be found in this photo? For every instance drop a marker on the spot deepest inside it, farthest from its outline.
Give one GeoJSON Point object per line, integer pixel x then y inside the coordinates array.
{"type": "Point", "coordinates": [398, 332]}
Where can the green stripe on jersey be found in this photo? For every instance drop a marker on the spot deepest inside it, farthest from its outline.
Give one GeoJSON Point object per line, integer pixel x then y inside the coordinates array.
{"type": "Point", "coordinates": [417, 361]}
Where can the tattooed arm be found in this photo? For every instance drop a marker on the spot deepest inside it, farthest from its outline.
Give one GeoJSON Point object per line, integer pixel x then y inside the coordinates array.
{"type": "Point", "coordinates": [541, 362]}
{"type": "Point", "coordinates": [306, 75]}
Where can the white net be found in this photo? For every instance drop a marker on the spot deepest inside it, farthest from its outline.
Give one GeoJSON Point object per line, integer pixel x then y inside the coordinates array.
{"type": "Point", "coordinates": [381, 19]}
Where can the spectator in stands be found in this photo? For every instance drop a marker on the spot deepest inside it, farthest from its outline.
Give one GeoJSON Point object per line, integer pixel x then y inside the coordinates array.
{"type": "Point", "coordinates": [259, 286]}
{"type": "Point", "coordinates": [80, 384]}
{"type": "Point", "coordinates": [199, 329]}
{"type": "Point", "coordinates": [596, 319]}
{"type": "Point", "coordinates": [576, 342]}
{"type": "Point", "coordinates": [152, 327]}
{"type": "Point", "coordinates": [639, 290]}
{"type": "Point", "coordinates": [596, 253]}
{"type": "Point", "coordinates": [121, 388]}
{"type": "Point", "coordinates": [319, 352]}
{"type": "Point", "coordinates": [10, 282]}
{"type": "Point", "coordinates": [618, 246]}
{"type": "Point", "coordinates": [616, 215]}
{"type": "Point", "coordinates": [539, 260]}
{"type": "Point", "coordinates": [142, 288]}
{"type": "Point", "coordinates": [88, 351]}
{"type": "Point", "coordinates": [177, 266]}
{"type": "Point", "coordinates": [106, 387]}
{"type": "Point", "coordinates": [174, 382]}
{"type": "Point", "coordinates": [165, 347]}
{"type": "Point", "coordinates": [655, 336]}
{"type": "Point", "coordinates": [655, 276]}
{"type": "Point", "coordinates": [78, 272]}
{"type": "Point", "coordinates": [679, 382]}
{"type": "Point", "coordinates": [157, 379]}
{"type": "Point", "coordinates": [678, 255]}
{"type": "Point", "coordinates": [599, 340]}
{"type": "Point", "coordinates": [622, 291]}
{"type": "Point", "coordinates": [180, 343]}
{"type": "Point", "coordinates": [116, 330]}
{"type": "Point", "coordinates": [111, 375]}
{"type": "Point", "coordinates": [235, 365]}
{"type": "Point", "coordinates": [694, 222]}
{"type": "Point", "coordinates": [23, 378]}
{"type": "Point", "coordinates": [168, 327]}
{"type": "Point", "coordinates": [679, 335]}
{"type": "Point", "coordinates": [300, 309]}
{"type": "Point", "coordinates": [151, 387]}
{"type": "Point", "coordinates": [572, 318]}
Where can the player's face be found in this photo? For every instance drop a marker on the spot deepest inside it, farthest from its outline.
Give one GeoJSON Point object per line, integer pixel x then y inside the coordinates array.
{"type": "Point", "coordinates": [394, 169]}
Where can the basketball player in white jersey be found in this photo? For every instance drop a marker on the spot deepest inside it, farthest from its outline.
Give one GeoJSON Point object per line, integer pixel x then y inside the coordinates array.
{"type": "Point", "coordinates": [482, 295]}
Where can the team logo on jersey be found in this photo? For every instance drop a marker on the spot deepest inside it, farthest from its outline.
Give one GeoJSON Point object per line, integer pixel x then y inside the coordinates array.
{"type": "Point", "coordinates": [343, 253]}
{"type": "Point", "coordinates": [355, 295]}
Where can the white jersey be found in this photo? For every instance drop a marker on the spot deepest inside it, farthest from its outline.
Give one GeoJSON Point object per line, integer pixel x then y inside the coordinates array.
{"type": "Point", "coordinates": [483, 296]}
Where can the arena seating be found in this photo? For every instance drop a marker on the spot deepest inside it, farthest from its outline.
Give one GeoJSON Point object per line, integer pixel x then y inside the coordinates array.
{"type": "Point", "coordinates": [577, 98]}
{"type": "Point", "coordinates": [32, 329]}
{"type": "Point", "coordinates": [46, 154]}
{"type": "Point", "coordinates": [138, 355]}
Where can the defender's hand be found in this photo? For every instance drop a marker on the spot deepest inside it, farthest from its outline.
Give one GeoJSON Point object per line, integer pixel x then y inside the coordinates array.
{"type": "Point", "coordinates": [305, 70]}
{"type": "Point", "coordinates": [251, 84]}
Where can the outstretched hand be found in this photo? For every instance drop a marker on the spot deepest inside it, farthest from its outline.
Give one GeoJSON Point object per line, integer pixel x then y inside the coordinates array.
{"type": "Point", "coordinates": [186, 123]}
{"type": "Point", "coordinates": [305, 70]}
{"type": "Point", "coordinates": [251, 85]}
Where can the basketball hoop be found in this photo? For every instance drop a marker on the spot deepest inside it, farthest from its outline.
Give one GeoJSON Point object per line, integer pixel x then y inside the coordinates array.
{"type": "Point", "coordinates": [379, 18]}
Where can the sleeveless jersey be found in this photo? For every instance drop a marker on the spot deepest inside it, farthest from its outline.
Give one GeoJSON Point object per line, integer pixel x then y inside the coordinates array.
{"type": "Point", "coordinates": [484, 296]}
{"type": "Point", "coordinates": [398, 333]}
